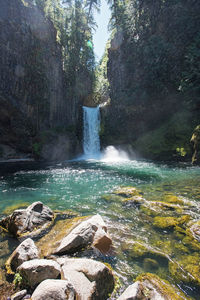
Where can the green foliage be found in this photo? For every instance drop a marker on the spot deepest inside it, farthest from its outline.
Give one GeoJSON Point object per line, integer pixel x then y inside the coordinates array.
{"type": "Point", "coordinates": [18, 280]}
{"type": "Point", "coordinates": [101, 85]}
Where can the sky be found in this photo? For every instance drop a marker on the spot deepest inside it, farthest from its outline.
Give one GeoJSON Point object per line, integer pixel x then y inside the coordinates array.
{"type": "Point", "coordinates": [101, 35]}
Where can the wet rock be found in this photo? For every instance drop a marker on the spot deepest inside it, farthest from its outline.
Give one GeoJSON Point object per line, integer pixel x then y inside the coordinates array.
{"type": "Point", "coordinates": [151, 287]}
{"type": "Point", "coordinates": [19, 295]}
{"type": "Point", "coordinates": [22, 222]}
{"type": "Point", "coordinates": [36, 270]}
{"type": "Point", "coordinates": [150, 264]}
{"type": "Point", "coordinates": [194, 230]}
{"type": "Point", "coordinates": [165, 222]}
{"type": "Point", "coordinates": [155, 208]}
{"type": "Point", "coordinates": [87, 232]}
{"type": "Point", "coordinates": [136, 249]}
{"type": "Point", "coordinates": [127, 192]}
{"type": "Point", "coordinates": [51, 289]}
{"type": "Point", "coordinates": [50, 241]}
{"type": "Point", "coordinates": [91, 279]}
{"type": "Point", "coordinates": [186, 269]}
{"type": "Point", "coordinates": [27, 250]}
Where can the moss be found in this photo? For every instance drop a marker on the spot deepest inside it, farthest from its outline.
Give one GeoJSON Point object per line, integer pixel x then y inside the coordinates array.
{"type": "Point", "coordinates": [170, 198]}
{"type": "Point", "coordinates": [187, 269]}
{"type": "Point", "coordinates": [154, 208]}
{"type": "Point", "coordinates": [127, 192]}
{"type": "Point", "coordinates": [51, 240]}
{"type": "Point", "coordinates": [191, 243]}
{"type": "Point", "coordinates": [9, 209]}
{"type": "Point", "coordinates": [165, 222]}
{"type": "Point", "coordinates": [193, 230]}
{"type": "Point", "coordinates": [162, 286]}
{"type": "Point", "coordinates": [111, 198]}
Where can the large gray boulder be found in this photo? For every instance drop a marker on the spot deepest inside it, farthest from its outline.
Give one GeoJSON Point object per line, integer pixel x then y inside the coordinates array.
{"type": "Point", "coordinates": [22, 222]}
{"type": "Point", "coordinates": [35, 271]}
{"type": "Point", "coordinates": [27, 250]}
{"type": "Point", "coordinates": [91, 279]}
{"type": "Point", "coordinates": [91, 231]}
{"type": "Point", "coordinates": [51, 289]}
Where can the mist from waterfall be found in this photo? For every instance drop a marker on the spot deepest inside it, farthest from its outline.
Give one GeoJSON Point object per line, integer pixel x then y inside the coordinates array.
{"type": "Point", "coordinates": [91, 128]}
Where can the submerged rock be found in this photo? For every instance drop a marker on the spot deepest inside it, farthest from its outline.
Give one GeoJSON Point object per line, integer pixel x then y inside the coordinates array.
{"type": "Point", "coordinates": [91, 279]}
{"type": "Point", "coordinates": [186, 269]}
{"type": "Point", "coordinates": [90, 231]}
{"type": "Point", "coordinates": [54, 289]}
{"type": "Point", "coordinates": [194, 230]}
{"type": "Point", "coordinates": [25, 251]}
{"type": "Point", "coordinates": [23, 222]}
{"type": "Point", "coordinates": [151, 287]}
{"type": "Point", "coordinates": [136, 249]}
{"type": "Point", "coordinates": [36, 270]}
{"type": "Point", "coordinates": [165, 222]}
{"type": "Point", "coordinates": [127, 192]}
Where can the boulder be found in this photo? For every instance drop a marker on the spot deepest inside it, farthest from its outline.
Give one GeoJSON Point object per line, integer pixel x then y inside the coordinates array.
{"type": "Point", "coordinates": [23, 221]}
{"type": "Point", "coordinates": [51, 289]}
{"type": "Point", "coordinates": [151, 287]}
{"type": "Point", "coordinates": [35, 271]}
{"type": "Point", "coordinates": [25, 251]}
{"type": "Point", "coordinates": [91, 279]}
{"type": "Point", "coordinates": [92, 230]}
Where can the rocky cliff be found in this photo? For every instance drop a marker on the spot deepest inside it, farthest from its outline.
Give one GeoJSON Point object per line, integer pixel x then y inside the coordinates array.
{"type": "Point", "coordinates": [152, 63]}
{"type": "Point", "coordinates": [32, 95]}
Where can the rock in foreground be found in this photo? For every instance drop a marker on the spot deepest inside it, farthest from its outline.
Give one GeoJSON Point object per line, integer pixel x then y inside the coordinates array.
{"type": "Point", "coordinates": [35, 271]}
{"type": "Point", "coordinates": [51, 289]}
{"type": "Point", "coordinates": [25, 251]}
{"type": "Point", "coordinates": [91, 279]}
{"type": "Point", "coordinates": [92, 230]}
{"type": "Point", "coordinates": [23, 221]}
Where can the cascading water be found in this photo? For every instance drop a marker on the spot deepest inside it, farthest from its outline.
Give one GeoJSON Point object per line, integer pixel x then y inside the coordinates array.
{"type": "Point", "coordinates": [91, 127]}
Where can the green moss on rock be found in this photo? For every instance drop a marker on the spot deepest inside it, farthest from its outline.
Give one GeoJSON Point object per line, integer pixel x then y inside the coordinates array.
{"type": "Point", "coordinates": [165, 222]}
{"type": "Point", "coordinates": [163, 287]}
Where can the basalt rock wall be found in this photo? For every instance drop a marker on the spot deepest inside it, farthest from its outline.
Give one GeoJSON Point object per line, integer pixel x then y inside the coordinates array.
{"type": "Point", "coordinates": [31, 79]}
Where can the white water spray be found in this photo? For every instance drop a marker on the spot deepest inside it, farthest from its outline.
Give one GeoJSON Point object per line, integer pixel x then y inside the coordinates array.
{"type": "Point", "coordinates": [111, 154]}
{"type": "Point", "coordinates": [91, 127]}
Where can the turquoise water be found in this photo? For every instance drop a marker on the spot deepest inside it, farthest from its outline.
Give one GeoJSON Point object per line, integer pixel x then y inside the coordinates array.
{"type": "Point", "coordinates": [80, 185]}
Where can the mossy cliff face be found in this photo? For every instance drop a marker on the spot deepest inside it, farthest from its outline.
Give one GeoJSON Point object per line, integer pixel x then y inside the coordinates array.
{"type": "Point", "coordinates": [31, 78]}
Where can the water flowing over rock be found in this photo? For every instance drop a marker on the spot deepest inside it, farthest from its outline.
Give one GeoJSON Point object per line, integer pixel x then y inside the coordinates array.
{"type": "Point", "coordinates": [25, 251]}
{"type": "Point", "coordinates": [24, 221]}
{"type": "Point", "coordinates": [35, 271]}
{"type": "Point", "coordinates": [51, 289]}
{"type": "Point", "coordinates": [91, 279]}
{"type": "Point", "coordinates": [89, 231]}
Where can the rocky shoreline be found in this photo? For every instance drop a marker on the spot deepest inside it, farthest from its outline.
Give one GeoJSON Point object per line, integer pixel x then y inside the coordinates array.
{"type": "Point", "coordinates": [48, 262]}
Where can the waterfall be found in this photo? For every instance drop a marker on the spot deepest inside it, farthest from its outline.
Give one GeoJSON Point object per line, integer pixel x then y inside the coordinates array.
{"type": "Point", "coordinates": [91, 127]}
